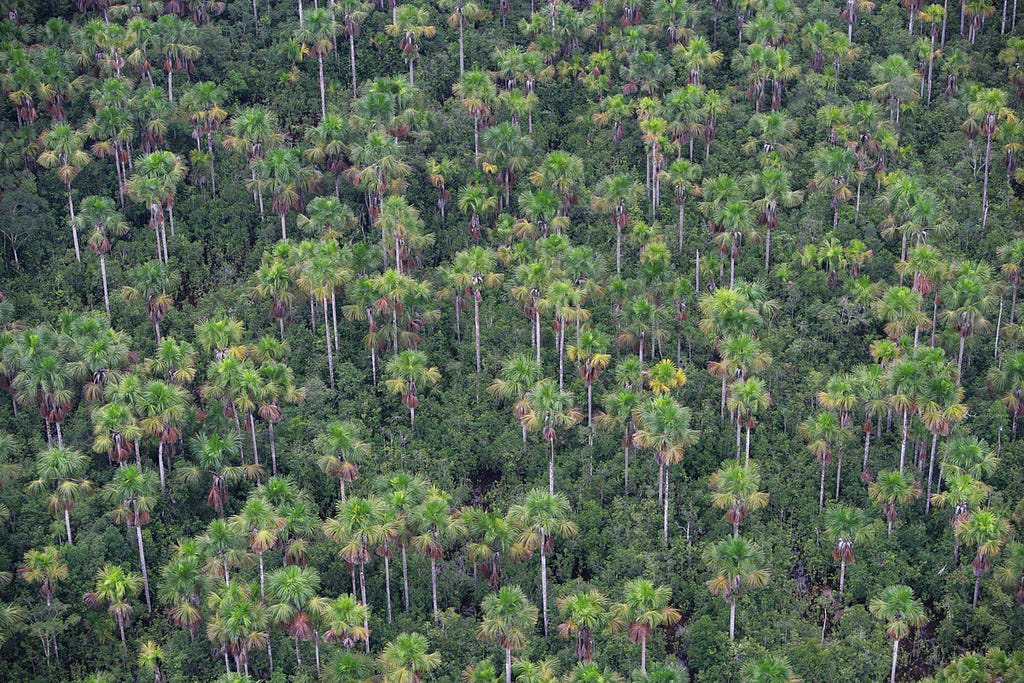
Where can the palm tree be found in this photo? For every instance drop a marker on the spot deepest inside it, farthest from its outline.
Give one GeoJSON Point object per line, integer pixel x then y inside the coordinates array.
{"type": "Point", "coordinates": [60, 470]}
{"type": "Point", "coordinates": [618, 415]}
{"type": "Point", "coordinates": [834, 168]}
{"type": "Point", "coordinates": [151, 282]}
{"type": "Point", "coordinates": [183, 586]}
{"type": "Point", "coordinates": [341, 446]}
{"type": "Point", "coordinates": [737, 565]}
{"type": "Point", "coordinates": [543, 517]}
{"type": "Point", "coordinates": [238, 622]}
{"type": "Point", "coordinates": [63, 150]}
{"type": "Point", "coordinates": [614, 195]}
{"type": "Point", "coordinates": [546, 408]}
{"type": "Point", "coordinates": [1011, 572]}
{"type": "Point", "coordinates": [293, 591]}
{"type": "Point", "coordinates": [645, 607]}
{"type": "Point", "coordinates": [435, 523]}
{"type": "Point", "coordinates": [897, 606]}
{"type": "Point", "coordinates": [409, 26]}
{"type": "Point", "coordinates": [890, 490]}
{"type": "Point", "coordinates": [988, 107]}
{"type": "Point", "coordinates": [403, 493]}
{"type": "Point", "coordinates": [473, 270]}
{"type": "Point", "coordinates": [222, 548]}
{"type": "Point", "coordinates": [318, 34]}
{"type": "Point", "coordinates": [133, 492]}
{"type": "Point", "coordinates": [986, 530]}
{"type": "Point", "coordinates": [768, 669]}
{"type": "Point", "coordinates": [251, 132]}
{"type": "Point", "coordinates": [463, 12]}
{"type": "Point", "coordinates": [590, 352]}
{"type": "Point", "coordinates": [898, 84]}
{"type": "Point", "coordinates": [151, 656]}
{"type": "Point", "coordinates": [103, 221]}
{"type": "Point", "coordinates": [663, 425]}
{"type": "Point", "coordinates": [747, 397]}
{"type": "Point", "coordinates": [162, 412]}
{"type": "Point", "coordinates": [406, 659]}
{"type": "Point", "coordinates": [115, 587]}
{"type": "Point", "coordinates": [409, 372]}
{"type": "Point", "coordinates": [281, 174]}
{"type": "Point", "coordinates": [475, 91]}
{"type": "Point", "coordinates": [518, 374]}
{"type": "Point", "coordinates": [968, 298]}
{"type": "Point", "coordinates": [345, 618]}
{"type": "Point", "coordinates": [508, 617]}
{"type": "Point", "coordinates": [261, 524]}
{"type": "Point", "coordinates": [351, 14]}
{"type": "Point", "coordinates": [844, 526]}
{"type": "Point", "coordinates": [212, 453]}
{"type": "Point", "coordinates": [584, 612]}
{"type": "Point", "coordinates": [735, 490]}
{"type": "Point", "coordinates": [46, 568]}
{"type": "Point", "coordinates": [684, 176]}
{"type": "Point", "coordinates": [825, 436]}
{"type": "Point", "coordinates": [356, 527]}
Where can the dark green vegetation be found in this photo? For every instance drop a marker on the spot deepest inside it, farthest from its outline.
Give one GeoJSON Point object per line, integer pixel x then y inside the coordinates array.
{"type": "Point", "coordinates": [642, 340]}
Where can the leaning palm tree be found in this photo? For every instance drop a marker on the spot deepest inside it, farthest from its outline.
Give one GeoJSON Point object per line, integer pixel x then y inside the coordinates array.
{"type": "Point", "coordinates": [645, 607]}
{"type": "Point", "coordinates": [543, 517]}
{"type": "Point", "coordinates": [737, 565]}
{"type": "Point", "coordinates": [897, 606]}
{"type": "Point", "coordinates": [115, 588]}
{"type": "Point", "coordinates": [508, 618]}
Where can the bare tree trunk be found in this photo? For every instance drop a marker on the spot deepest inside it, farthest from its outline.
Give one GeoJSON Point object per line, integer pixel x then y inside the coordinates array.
{"type": "Point", "coordinates": [145, 571]}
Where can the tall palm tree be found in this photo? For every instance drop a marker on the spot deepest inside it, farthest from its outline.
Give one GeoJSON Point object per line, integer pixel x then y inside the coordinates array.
{"type": "Point", "coordinates": [747, 397]}
{"type": "Point", "coordinates": [735, 490]}
{"type": "Point", "coordinates": [63, 150]}
{"type": "Point", "coordinates": [900, 610]}
{"type": "Point", "coordinates": [133, 493]}
{"type": "Point", "coordinates": [508, 617]}
{"type": "Point", "coordinates": [351, 13]}
{"type": "Point", "coordinates": [293, 592]}
{"type": "Point", "coordinates": [476, 92]}
{"type": "Point", "coordinates": [238, 622]}
{"type": "Point", "coordinates": [897, 84]}
{"type": "Point", "coordinates": [260, 523]}
{"type": "Point", "coordinates": [663, 425]}
{"type": "Point", "coordinates": [618, 415]}
{"type": "Point", "coordinates": [406, 658]}
{"type": "Point", "coordinates": [251, 132]}
{"type": "Point", "coordinates": [463, 13]}
{"type": "Point", "coordinates": [518, 374]}
{"type": "Point", "coordinates": [318, 33]}
{"type": "Point", "coordinates": [163, 410]}
{"type": "Point", "coordinates": [99, 217]}
{"type": "Point", "coordinates": [890, 490]}
{"type": "Point", "coordinates": [737, 565]}
{"type": "Point", "coordinates": [46, 568]}
{"type": "Point", "coordinates": [61, 471]}
{"type": "Point", "coordinates": [212, 452]}
{"type": "Point", "coordinates": [968, 299]}
{"type": "Point", "coordinates": [184, 585]}
{"type": "Point", "coordinates": [644, 608]}
{"type": "Point", "coordinates": [435, 523]}
{"type": "Point", "coordinates": [986, 530]}
{"type": "Point", "coordinates": [474, 270]}
{"type": "Point", "coordinates": [614, 195]}
{"type": "Point", "coordinates": [547, 409]}
{"type": "Point", "coordinates": [409, 373]}
{"type": "Point", "coordinates": [590, 352]}
{"type": "Point", "coordinates": [1010, 573]}
{"type": "Point", "coordinates": [345, 617]}
{"type": "Point", "coordinates": [684, 176]}
{"type": "Point", "coordinates": [543, 517]}
{"type": "Point", "coordinates": [409, 25]}
{"type": "Point", "coordinates": [115, 588]}
{"type": "Point", "coordinates": [584, 612]}
{"type": "Point", "coordinates": [845, 526]}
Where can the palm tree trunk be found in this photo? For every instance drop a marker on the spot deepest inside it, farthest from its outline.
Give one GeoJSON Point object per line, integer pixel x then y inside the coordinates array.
{"type": "Point", "coordinates": [213, 176]}
{"type": "Point", "coordinates": [273, 448]}
{"type": "Point", "coordinates": [508, 665]}
{"type": "Point", "coordinates": [643, 654]}
{"type": "Point", "coordinates": [903, 440]}
{"type": "Point", "coordinates": [867, 447]}
{"type": "Point", "coordinates": [476, 328]}
{"type": "Point", "coordinates": [618, 245]}
{"type": "Point", "coordinates": [821, 488]}
{"type": "Point", "coordinates": [433, 586]}
{"type": "Point", "coordinates": [316, 648]}
{"type": "Point", "coordinates": [142, 561]}
{"type": "Point", "coordinates": [327, 334]}
{"type": "Point", "coordinates": [739, 437]}
{"type": "Point", "coordinates": [839, 473]}
{"type": "Point", "coordinates": [323, 96]}
{"type": "Point", "coordinates": [252, 432]}
{"type": "Point", "coordinates": [160, 463]}
{"type": "Point", "coordinates": [551, 467]}
{"type": "Point", "coordinates": [536, 324]}
{"type": "Point", "coordinates": [664, 525]}
{"type": "Point", "coordinates": [747, 460]}
{"type": "Point", "coordinates": [352, 58]}
{"type": "Point", "coordinates": [67, 524]}
{"type": "Point", "coordinates": [626, 470]}
{"type": "Point", "coordinates": [895, 656]}
{"type": "Point", "coordinates": [298, 653]}
{"type": "Point", "coordinates": [263, 595]}
{"type": "Point", "coordinates": [405, 577]}
{"type": "Point", "coordinates": [931, 468]}
{"type": "Point", "coordinates": [544, 581]}
{"type": "Point", "coordinates": [387, 584]}
{"type": "Point", "coordinates": [984, 186]}
{"type": "Point", "coordinates": [74, 228]}
{"type": "Point", "coordinates": [960, 359]}
{"type": "Point", "coordinates": [842, 575]}
{"type": "Point", "coordinates": [103, 276]}
{"type": "Point", "coordinates": [732, 620]}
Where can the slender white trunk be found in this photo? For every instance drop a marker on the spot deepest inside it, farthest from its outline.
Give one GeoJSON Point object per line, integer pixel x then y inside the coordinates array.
{"type": "Point", "coordinates": [67, 524]}
{"type": "Point", "coordinates": [74, 228]}
{"type": "Point", "coordinates": [145, 571]}
{"type": "Point", "coordinates": [895, 656]}
{"type": "Point", "coordinates": [330, 354]}
{"type": "Point", "coordinates": [103, 276]}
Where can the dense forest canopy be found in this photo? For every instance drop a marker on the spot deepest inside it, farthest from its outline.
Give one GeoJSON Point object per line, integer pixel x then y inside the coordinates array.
{"type": "Point", "coordinates": [572, 341]}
